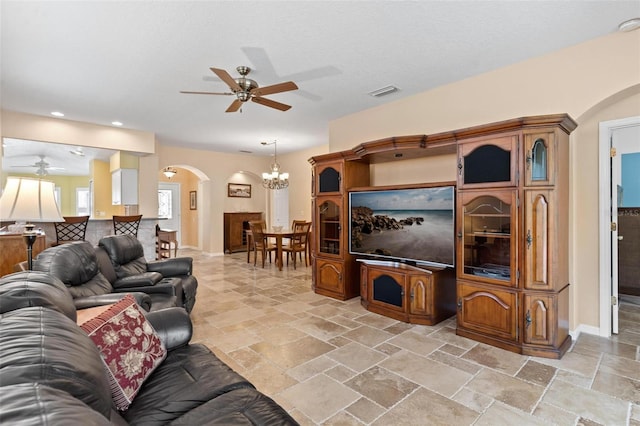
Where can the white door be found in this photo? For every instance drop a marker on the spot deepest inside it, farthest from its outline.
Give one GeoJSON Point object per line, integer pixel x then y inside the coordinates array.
{"type": "Point", "coordinates": [280, 216]}
{"type": "Point", "coordinates": [625, 144]}
{"type": "Point", "coordinates": [169, 206]}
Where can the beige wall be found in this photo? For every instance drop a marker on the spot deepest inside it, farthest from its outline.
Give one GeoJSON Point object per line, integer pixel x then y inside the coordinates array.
{"type": "Point", "coordinates": [594, 81]}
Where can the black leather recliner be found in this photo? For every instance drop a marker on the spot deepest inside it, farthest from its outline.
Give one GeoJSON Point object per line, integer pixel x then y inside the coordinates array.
{"type": "Point", "coordinates": [78, 266]}
{"type": "Point", "coordinates": [134, 273]}
{"type": "Point", "coordinates": [52, 373]}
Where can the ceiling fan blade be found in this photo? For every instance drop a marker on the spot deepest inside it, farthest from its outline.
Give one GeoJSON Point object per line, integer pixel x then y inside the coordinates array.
{"type": "Point", "coordinates": [206, 93]}
{"type": "Point", "coordinates": [235, 105]}
{"type": "Point", "coordinates": [275, 88]}
{"type": "Point", "coordinates": [270, 103]}
{"type": "Point", "coordinates": [224, 76]}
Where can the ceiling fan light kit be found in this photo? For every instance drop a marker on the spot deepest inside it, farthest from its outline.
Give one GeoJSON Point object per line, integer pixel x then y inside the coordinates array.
{"type": "Point", "coordinates": [246, 89]}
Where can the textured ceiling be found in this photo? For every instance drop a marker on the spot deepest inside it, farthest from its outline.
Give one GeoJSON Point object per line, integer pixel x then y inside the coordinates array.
{"type": "Point", "coordinates": [100, 61]}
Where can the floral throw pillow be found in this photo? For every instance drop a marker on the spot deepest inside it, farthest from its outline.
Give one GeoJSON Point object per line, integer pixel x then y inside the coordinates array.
{"type": "Point", "coordinates": [129, 346]}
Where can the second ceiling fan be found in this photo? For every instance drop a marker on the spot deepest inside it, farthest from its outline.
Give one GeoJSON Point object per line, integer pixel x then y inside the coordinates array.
{"type": "Point", "coordinates": [246, 89]}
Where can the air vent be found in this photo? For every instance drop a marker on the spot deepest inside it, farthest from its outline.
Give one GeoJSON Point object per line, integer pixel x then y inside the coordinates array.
{"type": "Point", "coordinates": [383, 91]}
{"type": "Point", "coordinates": [245, 151]}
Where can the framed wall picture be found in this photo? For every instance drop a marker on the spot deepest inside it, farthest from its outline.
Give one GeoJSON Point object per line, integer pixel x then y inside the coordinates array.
{"type": "Point", "coordinates": [193, 200]}
{"type": "Point", "coordinates": [240, 190]}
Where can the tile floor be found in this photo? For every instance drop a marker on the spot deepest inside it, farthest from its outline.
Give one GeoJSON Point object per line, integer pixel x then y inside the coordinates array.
{"type": "Point", "coordinates": [330, 362]}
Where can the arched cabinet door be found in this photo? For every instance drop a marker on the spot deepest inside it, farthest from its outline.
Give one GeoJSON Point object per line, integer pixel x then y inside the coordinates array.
{"type": "Point", "coordinates": [539, 318]}
{"type": "Point", "coordinates": [538, 249]}
{"type": "Point", "coordinates": [539, 159]}
{"type": "Point", "coordinates": [329, 276]}
{"type": "Point", "coordinates": [488, 162]}
{"type": "Point", "coordinates": [488, 311]}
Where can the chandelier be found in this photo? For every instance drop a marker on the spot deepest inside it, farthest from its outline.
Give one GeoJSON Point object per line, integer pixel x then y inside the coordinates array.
{"type": "Point", "coordinates": [275, 179]}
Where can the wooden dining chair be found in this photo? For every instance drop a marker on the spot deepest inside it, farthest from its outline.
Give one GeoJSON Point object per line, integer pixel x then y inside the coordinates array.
{"type": "Point", "coordinates": [260, 241]}
{"type": "Point", "coordinates": [298, 243]}
{"type": "Point", "coordinates": [74, 228]}
{"type": "Point", "coordinates": [126, 225]}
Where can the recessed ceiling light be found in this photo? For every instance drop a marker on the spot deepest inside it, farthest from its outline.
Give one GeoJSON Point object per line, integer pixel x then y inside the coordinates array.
{"type": "Point", "coordinates": [387, 90]}
{"type": "Point", "coordinates": [630, 25]}
{"type": "Point", "coordinates": [57, 114]}
{"type": "Point", "coordinates": [116, 123]}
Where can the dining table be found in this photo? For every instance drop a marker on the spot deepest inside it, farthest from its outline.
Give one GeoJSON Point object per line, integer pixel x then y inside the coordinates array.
{"type": "Point", "coordinates": [278, 235]}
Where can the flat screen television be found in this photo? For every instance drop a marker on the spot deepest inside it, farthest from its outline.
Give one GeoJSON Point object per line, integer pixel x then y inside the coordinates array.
{"type": "Point", "coordinates": [411, 225]}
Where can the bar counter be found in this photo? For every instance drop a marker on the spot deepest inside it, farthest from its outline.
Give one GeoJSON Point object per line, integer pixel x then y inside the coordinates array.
{"type": "Point", "coordinates": [100, 227]}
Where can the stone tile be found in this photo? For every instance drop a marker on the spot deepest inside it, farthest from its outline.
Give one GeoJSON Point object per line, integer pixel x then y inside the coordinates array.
{"type": "Point", "coordinates": [574, 379]}
{"type": "Point", "coordinates": [511, 391]}
{"type": "Point", "coordinates": [474, 400]}
{"type": "Point", "coordinates": [620, 366]}
{"type": "Point", "coordinates": [339, 341]}
{"type": "Point", "coordinates": [415, 342]}
{"type": "Point", "coordinates": [453, 350]}
{"type": "Point", "coordinates": [496, 358]}
{"type": "Point", "coordinates": [367, 336]}
{"type": "Point", "coordinates": [340, 373]}
{"type": "Point", "coordinates": [365, 410]}
{"type": "Point", "coordinates": [281, 334]}
{"type": "Point", "coordinates": [398, 328]}
{"type": "Point", "coordinates": [432, 375]}
{"type": "Point", "coordinates": [377, 321]}
{"type": "Point", "coordinates": [246, 357]}
{"type": "Point", "coordinates": [345, 322]}
{"type": "Point", "coordinates": [426, 407]}
{"type": "Point", "coordinates": [269, 379]}
{"type": "Point", "coordinates": [454, 361]}
{"type": "Point", "coordinates": [580, 363]}
{"type": "Point", "coordinates": [387, 348]}
{"type": "Point", "coordinates": [342, 419]}
{"type": "Point", "coordinates": [292, 354]}
{"type": "Point", "coordinates": [319, 328]}
{"type": "Point", "coordinates": [554, 415]}
{"type": "Point", "coordinates": [600, 344]}
{"type": "Point", "coordinates": [537, 373]}
{"type": "Point", "coordinates": [356, 356]}
{"type": "Point", "coordinates": [586, 403]}
{"type": "Point", "coordinates": [448, 335]}
{"type": "Point", "coordinates": [502, 414]}
{"type": "Point", "coordinates": [617, 386]}
{"type": "Point", "coordinates": [381, 386]}
{"type": "Point", "coordinates": [314, 367]}
{"type": "Point", "coordinates": [320, 397]}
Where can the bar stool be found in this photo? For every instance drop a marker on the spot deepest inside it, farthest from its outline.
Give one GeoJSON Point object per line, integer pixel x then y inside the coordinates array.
{"type": "Point", "coordinates": [74, 228]}
{"type": "Point", "coordinates": [126, 225]}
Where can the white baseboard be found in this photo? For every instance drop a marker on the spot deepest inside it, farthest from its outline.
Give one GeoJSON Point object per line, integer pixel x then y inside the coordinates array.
{"type": "Point", "coordinates": [583, 328]}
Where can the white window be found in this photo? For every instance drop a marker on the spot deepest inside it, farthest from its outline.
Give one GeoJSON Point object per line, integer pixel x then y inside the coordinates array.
{"type": "Point", "coordinates": [83, 201]}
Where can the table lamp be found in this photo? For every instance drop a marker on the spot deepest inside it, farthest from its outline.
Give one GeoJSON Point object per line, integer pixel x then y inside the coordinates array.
{"type": "Point", "coordinates": [29, 200]}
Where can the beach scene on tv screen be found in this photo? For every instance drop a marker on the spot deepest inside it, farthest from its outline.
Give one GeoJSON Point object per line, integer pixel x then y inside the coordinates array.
{"type": "Point", "coordinates": [414, 224]}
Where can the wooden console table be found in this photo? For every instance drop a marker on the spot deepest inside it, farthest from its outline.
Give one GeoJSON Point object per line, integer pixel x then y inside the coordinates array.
{"type": "Point", "coordinates": [166, 237]}
{"type": "Point", "coordinates": [235, 225]}
{"type": "Point", "coordinates": [408, 293]}
{"type": "Point", "coordinates": [14, 251]}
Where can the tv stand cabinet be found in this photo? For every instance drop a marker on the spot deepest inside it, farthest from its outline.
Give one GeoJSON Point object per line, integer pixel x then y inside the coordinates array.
{"type": "Point", "coordinates": [417, 295]}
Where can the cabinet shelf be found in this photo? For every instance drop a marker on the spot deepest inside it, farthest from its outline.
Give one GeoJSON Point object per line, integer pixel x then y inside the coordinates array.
{"type": "Point", "coordinates": [488, 215]}
{"type": "Point", "coordinates": [489, 234]}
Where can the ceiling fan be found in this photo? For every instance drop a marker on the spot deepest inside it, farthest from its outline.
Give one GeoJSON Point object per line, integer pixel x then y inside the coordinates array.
{"type": "Point", "coordinates": [42, 167]}
{"type": "Point", "coordinates": [246, 89]}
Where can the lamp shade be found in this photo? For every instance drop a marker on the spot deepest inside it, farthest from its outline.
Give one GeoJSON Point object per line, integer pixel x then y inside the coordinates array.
{"type": "Point", "coordinates": [31, 200]}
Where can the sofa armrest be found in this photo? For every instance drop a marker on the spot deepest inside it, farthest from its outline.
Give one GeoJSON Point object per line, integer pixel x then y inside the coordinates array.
{"type": "Point", "coordinates": [160, 288]}
{"type": "Point", "coordinates": [142, 299]}
{"type": "Point", "coordinates": [172, 267]}
{"type": "Point", "coordinates": [173, 325]}
{"type": "Point", "coordinates": [146, 279]}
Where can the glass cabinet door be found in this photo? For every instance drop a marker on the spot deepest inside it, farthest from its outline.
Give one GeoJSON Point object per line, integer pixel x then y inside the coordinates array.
{"type": "Point", "coordinates": [538, 159]}
{"type": "Point", "coordinates": [329, 229]}
{"type": "Point", "coordinates": [487, 230]}
{"type": "Point", "coordinates": [329, 178]}
{"type": "Point", "coordinates": [487, 162]}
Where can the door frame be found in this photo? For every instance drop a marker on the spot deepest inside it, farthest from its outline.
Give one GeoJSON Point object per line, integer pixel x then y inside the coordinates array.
{"type": "Point", "coordinates": [604, 214]}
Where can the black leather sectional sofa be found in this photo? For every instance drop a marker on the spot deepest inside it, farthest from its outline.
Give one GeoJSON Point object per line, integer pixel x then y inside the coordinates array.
{"type": "Point", "coordinates": [51, 372]}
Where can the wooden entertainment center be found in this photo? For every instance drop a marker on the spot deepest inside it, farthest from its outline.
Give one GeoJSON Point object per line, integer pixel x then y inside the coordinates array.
{"type": "Point", "coordinates": [512, 234]}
